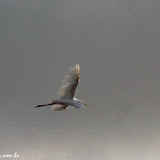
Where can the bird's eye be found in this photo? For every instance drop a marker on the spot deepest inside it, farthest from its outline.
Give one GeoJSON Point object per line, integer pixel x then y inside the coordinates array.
{"type": "Point", "coordinates": [78, 102]}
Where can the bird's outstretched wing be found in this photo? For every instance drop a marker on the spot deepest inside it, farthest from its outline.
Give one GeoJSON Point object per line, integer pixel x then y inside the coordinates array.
{"type": "Point", "coordinates": [59, 107]}
{"type": "Point", "coordinates": [70, 82]}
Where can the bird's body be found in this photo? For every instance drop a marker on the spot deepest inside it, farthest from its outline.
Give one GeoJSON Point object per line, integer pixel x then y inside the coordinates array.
{"type": "Point", "coordinates": [67, 91]}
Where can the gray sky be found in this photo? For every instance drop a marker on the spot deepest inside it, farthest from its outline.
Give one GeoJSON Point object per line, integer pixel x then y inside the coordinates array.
{"type": "Point", "coordinates": [117, 46]}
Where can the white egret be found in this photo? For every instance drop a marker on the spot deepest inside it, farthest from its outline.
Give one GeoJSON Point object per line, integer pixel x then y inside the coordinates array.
{"type": "Point", "coordinates": [67, 91]}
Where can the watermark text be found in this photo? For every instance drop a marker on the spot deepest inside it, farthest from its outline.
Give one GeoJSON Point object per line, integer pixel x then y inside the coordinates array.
{"type": "Point", "coordinates": [14, 155]}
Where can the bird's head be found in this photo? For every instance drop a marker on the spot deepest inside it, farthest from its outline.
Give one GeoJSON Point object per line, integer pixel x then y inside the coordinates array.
{"type": "Point", "coordinates": [80, 104]}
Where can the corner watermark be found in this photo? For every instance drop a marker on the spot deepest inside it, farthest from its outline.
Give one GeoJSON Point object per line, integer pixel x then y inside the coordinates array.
{"type": "Point", "coordinates": [14, 155]}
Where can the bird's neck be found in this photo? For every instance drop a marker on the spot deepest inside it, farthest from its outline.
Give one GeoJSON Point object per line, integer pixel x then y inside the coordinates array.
{"type": "Point", "coordinates": [75, 99]}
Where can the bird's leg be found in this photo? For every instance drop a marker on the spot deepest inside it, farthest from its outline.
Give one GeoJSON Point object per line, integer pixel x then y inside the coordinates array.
{"type": "Point", "coordinates": [42, 105]}
{"type": "Point", "coordinates": [49, 104]}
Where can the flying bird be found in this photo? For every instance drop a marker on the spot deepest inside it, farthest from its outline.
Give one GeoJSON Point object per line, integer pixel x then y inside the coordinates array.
{"type": "Point", "coordinates": [67, 91]}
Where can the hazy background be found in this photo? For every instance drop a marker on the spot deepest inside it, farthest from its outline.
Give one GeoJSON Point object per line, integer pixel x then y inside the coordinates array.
{"type": "Point", "coordinates": [116, 43]}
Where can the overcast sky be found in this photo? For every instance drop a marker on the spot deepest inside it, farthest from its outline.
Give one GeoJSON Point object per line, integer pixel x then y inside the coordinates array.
{"type": "Point", "coordinates": [116, 43]}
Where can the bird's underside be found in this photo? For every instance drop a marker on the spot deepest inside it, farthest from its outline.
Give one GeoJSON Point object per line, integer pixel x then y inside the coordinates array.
{"type": "Point", "coordinates": [59, 107]}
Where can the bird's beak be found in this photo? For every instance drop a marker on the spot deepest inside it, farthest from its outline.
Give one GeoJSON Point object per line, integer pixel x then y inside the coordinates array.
{"type": "Point", "coordinates": [85, 103]}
